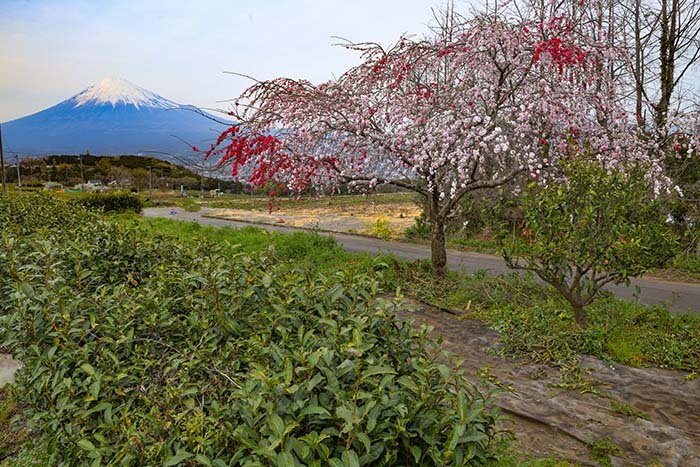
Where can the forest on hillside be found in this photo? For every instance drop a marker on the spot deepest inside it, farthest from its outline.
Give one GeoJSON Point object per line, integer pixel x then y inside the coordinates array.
{"type": "Point", "coordinates": [125, 171]}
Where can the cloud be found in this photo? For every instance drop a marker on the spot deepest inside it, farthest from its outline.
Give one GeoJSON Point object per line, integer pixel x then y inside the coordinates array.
{"type": "Point", "coordinates": [53, 49]}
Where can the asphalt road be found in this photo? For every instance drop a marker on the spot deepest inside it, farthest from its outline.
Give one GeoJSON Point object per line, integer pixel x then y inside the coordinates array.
{"type": "Point", "coordinates": [679, 297]}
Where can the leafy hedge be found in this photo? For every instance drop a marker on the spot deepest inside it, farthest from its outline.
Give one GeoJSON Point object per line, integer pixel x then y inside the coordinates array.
{"type": "Point", "coordinates": [145, 351]}
{"type": "Point", "coordinates": [111, 202]}
{"type": "Point", "coordinates": [24, 214]}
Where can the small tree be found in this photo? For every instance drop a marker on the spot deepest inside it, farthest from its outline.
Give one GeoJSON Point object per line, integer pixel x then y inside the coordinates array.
{"type": "Point", "coordinates": [594, 226]}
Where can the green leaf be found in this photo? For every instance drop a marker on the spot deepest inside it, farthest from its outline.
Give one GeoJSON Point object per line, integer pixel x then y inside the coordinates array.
{"type": "Point", "coordinates": [285, 459]}
{"type": "Point", "coordinates": [416, 453]}
{"type": "Point", "coordinates": [204, 460]}
{"type": "Point", "coordinates": [87, 445]}
{"type": "Point", "coordinates": [267, 280]}
{"type": "Point", "coordinates": [276, 424]}
{"type": "Point", "coordinates": [26, 289]}
{"type": "Point", "coordinates": [314, 410]}
{"type": "Point", "coordinates": [378, 370]}
{"type": "Point", "coordinates": [350, 459]}
{"type": "Point", "coordinates": [177, 458]}
{"type": "Point", "coordinates": [366, 442]}
{"type": "Point", "coordinates": [87, 368]}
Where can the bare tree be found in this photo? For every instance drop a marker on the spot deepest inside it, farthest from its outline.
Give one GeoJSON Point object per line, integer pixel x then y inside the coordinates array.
{"type": "Point", "coordinates": [663, 38]}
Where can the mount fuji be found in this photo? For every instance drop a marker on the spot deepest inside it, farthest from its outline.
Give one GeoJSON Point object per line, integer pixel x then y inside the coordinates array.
{"type": "Point", "coordinates": [111, 117]}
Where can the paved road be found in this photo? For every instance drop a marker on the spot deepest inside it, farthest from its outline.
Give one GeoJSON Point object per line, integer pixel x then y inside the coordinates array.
{"type": "Point", "coordinates": [679, 297]}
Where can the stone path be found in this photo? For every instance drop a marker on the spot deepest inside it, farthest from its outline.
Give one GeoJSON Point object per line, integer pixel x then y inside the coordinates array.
{"type": "Point", "coordinates": [8, 366]}
{"type": "Point", "coordinates": [552, 421]}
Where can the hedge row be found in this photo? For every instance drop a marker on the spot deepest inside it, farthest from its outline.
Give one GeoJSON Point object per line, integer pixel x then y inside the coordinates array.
{"type": "Point", "coordinates": [144, 351]}
{"type": "Point", "coordinates": [113, 202]}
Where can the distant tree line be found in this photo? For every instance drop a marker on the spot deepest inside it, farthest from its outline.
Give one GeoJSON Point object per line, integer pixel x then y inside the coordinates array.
{"type": "Point", "coordinates": [127, 171]}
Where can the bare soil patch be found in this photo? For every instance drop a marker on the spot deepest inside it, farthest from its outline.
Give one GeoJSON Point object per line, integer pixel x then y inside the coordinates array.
{"type": "Point", "coordinates": [547, 420]}
{"type": "Point", "coordinates": [351, 218]}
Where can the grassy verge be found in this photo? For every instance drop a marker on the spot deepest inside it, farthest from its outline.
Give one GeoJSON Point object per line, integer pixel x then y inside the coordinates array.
{"type": "Point", "coordinates": [533, 320]}
{"type": "Point", "coordinates": [309, 252]}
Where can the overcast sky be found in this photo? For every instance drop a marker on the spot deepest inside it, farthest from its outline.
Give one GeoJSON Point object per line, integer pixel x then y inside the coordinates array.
{"type": "Point", "coordinates": [52, 49]}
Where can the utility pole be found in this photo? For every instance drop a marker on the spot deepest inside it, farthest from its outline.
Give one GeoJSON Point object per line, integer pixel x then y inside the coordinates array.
{"type": "Point", "coordinates": [150, 177]}
{"type": "Point", "coordinates": [82, 174]}
{"type": "Point", "coordinates": [2, 164]}
{"type": "Point", "coordinates": [19, 174]}
{"type": "Point", "coordinates": [201, 184]}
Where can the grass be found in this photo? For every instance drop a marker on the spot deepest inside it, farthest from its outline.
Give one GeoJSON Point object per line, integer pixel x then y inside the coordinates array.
{"type": "Point", "coordinates": [12, 438]}
{"type": "Point", "coordinates": [308, 251]}
{"type": "Point", "coordinates": [603, 449]}
{"type": "Point", "coordinates": [534, 321]}
{"type": "Point", "coordinates": [627, 410]}
{"type": "Point", "coordinates": [477, 244]}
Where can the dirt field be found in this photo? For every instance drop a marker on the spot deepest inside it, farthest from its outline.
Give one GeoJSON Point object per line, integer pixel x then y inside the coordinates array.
{"type": "Point", "coordinates": [333, 217]}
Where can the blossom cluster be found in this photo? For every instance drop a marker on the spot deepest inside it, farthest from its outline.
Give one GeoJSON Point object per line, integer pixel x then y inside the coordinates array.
{"type": "Point", "coordinates": [468, 108]}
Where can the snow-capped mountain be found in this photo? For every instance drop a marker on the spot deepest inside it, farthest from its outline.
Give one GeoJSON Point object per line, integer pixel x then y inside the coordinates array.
{"type": "Point", "coordinates": [111, 117]}
{"type": "Point", "coordinates": [117, 91]}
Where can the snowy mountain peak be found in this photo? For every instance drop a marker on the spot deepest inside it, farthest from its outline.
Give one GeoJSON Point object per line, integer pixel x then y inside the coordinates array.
{"type": "Point", "coordinates": [120, 91]}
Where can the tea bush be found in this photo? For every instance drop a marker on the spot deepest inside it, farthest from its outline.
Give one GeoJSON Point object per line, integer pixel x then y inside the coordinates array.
{"type": "Point", "coordinates": [146, 351]}
{"type": "Point", "coordinates": [24, 214]}
{"type": "Point", "coordinates": [111, 202]}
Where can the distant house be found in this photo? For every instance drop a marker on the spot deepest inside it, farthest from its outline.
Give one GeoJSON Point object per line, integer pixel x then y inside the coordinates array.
{"type": "Point", "coordinates": [120, 183]}
{"type": "Point", "coordinates": [92, 185]}
{"type": "Point", "coordinates": [52, 186]}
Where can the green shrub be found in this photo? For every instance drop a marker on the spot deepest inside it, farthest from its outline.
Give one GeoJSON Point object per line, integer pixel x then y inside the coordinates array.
{"type": "Point", "coordinates": [111, 202]}
{"type": "Point", "coordinates": [598, 226]}
{"type": "Point", "coordinates": [380, 228]}
{"type": "Point", "coordinates": [147, 351]}
{"type": "Point", "coordinates": [28, 213]}
{"type": "Point", "coordinates": [421, 229]}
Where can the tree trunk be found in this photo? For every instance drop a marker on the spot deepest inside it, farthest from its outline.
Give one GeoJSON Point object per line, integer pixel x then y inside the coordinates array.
{"type": "Point", "coordinates": [437, 247]}
{"type": "Point", "coordinates": [579, 315]}
{"type": "Point", "coordinates": [438, 255]}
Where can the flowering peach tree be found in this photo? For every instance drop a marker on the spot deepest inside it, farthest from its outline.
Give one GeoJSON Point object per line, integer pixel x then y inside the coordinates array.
{"type": "Point", "coordinates": [470, 108]}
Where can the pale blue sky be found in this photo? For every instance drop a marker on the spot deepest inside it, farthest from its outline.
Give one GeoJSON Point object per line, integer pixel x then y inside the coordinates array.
{"type": "Point", "coordinates": [52, 49]}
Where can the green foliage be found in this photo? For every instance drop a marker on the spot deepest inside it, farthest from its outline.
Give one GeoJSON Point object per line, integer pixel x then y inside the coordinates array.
{"type": "Point", "coordinates": [110, 201]}
{"type": "Point", "coordinates": [534, 322]}
{"type": "Point", "coordinates": [11, 438]}
{"type": "Point", "coordinates": [380, 228]}
{"type": "Point", "coordinates": [144, 350]}
{"type": "Point", "coordinates": [627, 410]}
{"type": "Point", "coordinates": [421, 229]}
{"type": "Point", "coordinates": [25, 214]}
{"type": "Point", "coordinates": [603, 449]}
{"type": "Point", "coordinates": [188, 204]}
{"type": "Point", "coordinates": [598, 226]}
